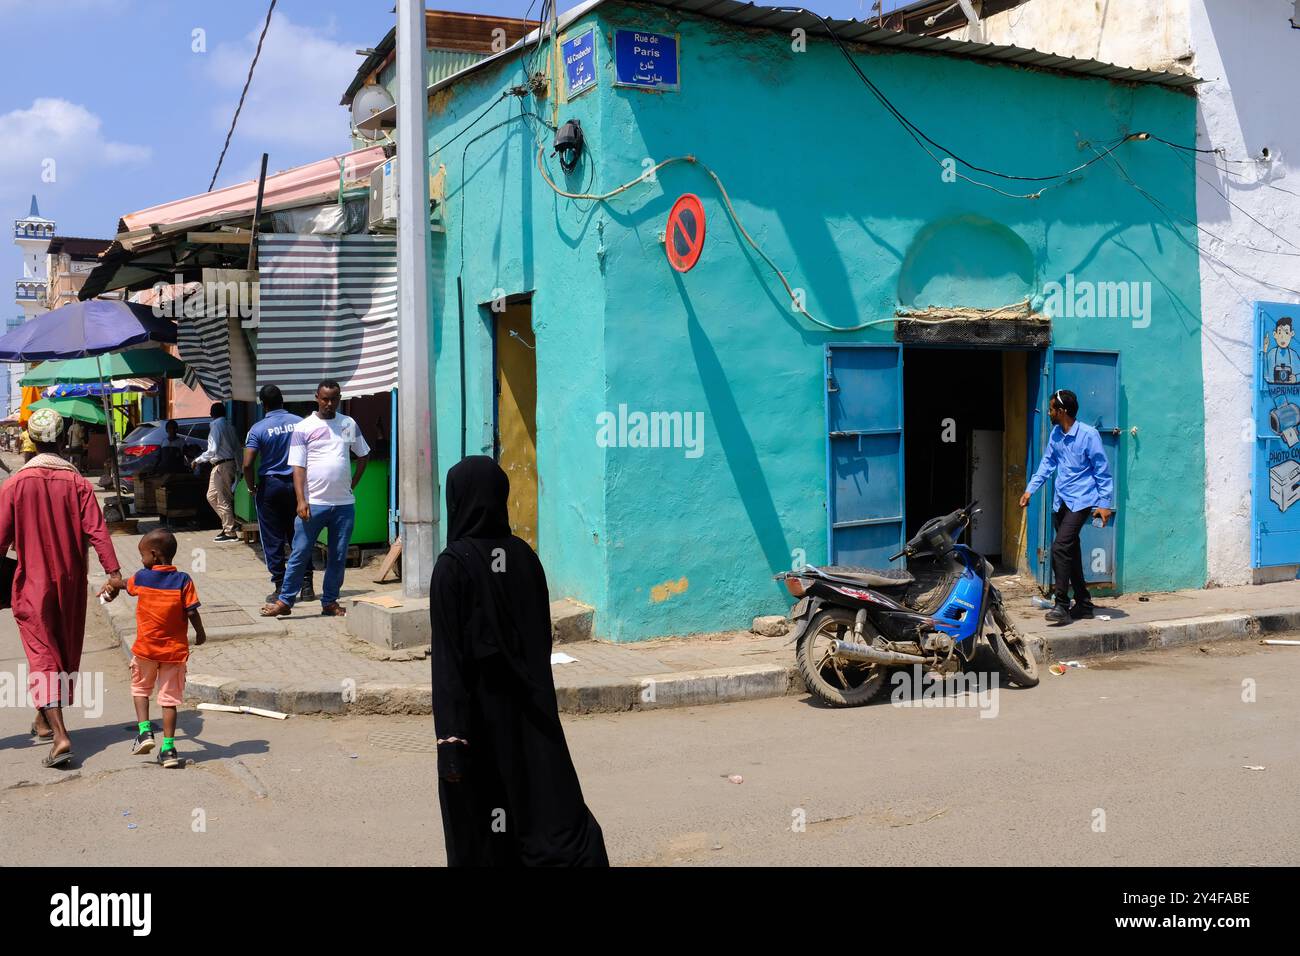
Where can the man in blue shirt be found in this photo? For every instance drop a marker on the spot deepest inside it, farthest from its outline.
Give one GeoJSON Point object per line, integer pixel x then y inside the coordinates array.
{"type": "Point", "coordinates": [1084, 487]}
{"type": "Point", "coordinates": [277, 502]}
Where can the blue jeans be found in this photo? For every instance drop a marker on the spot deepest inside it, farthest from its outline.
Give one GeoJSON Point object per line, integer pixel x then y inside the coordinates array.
{"type": "Point", "coordinates": [277, 507]}
{"type": "Point", "coordinates": [339, 519]}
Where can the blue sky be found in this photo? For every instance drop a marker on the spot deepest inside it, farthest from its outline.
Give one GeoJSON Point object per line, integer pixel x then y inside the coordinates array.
{"type": "Point", "coordinates": [111, 100]}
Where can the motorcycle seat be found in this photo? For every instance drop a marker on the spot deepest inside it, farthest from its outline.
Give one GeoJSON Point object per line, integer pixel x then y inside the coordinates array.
{"type": "Point", "coordinates": [873, 577]}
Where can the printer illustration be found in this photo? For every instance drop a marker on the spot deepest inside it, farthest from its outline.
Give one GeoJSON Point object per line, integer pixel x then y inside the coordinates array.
{"type": "Point", "coordinates": [1284, 420]}
{"type": "Point", "coordinates": [1284, 484]}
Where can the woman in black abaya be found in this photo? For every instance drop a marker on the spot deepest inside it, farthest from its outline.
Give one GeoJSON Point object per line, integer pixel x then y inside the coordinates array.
{"type": "Point", "coordinates": [506, 784]}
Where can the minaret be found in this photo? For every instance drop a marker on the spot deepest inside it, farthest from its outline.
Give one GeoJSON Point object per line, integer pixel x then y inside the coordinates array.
{"type": "Point", "coordinates": [32, 235]}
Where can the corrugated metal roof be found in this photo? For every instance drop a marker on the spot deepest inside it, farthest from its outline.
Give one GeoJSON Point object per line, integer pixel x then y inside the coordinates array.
{"type": "Point", "coordinates": [291, 185]}
{"type": "Point", "coordinates": [850, 31]}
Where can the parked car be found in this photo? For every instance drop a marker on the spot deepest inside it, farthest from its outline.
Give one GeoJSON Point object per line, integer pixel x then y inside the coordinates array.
{"type": "Point", "coordinates": [139, 453]}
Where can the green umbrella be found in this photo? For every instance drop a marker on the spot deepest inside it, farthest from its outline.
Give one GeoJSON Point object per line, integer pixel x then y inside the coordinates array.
{"type": "Point", "coordinates": [137, 363]}
{"type": "Point", "coordinates": [83, 408]}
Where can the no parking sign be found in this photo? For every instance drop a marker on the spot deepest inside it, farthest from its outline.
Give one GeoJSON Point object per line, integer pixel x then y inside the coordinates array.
{"type": "Point", "coordinates": [684, 238]}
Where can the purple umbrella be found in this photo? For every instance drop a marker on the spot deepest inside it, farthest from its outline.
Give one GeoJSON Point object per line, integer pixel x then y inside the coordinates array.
{"type": "Point", "coordinates": [85, 328]}
{"type": "Point", "coordinates": [80, 329]}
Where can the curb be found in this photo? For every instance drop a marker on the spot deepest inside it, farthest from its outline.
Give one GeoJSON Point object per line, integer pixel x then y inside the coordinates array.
{"type": "Point", "coordinates": [1176, 632]}
{"type": "Point", "coordinates": [689, 689]}
{"type": "Point", "coordinates": [692, 688]}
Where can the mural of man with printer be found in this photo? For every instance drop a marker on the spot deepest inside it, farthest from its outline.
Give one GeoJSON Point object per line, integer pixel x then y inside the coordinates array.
{"type": "Point", "coordinates": [1281, 363]}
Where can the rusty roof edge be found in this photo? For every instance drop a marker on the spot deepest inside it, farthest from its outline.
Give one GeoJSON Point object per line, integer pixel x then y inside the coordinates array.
{"type": "Point", "coordinates": [851, 31]}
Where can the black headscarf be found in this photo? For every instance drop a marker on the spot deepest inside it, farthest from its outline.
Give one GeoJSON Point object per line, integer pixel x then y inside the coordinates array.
{"type": "Point", "coordinates": [512, 608]}
{"type": "Point", "coordinates": [478, 493]}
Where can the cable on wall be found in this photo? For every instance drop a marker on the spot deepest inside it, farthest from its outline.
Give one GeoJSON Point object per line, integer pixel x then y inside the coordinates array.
{"type": "Point", "coordinates": [735, 219]}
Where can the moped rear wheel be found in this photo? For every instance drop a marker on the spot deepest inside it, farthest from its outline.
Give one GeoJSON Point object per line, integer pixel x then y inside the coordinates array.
{"type": "Point", "coordinates": [836, 682]}
{"type": "Point", "coordinates": [1014, 656]}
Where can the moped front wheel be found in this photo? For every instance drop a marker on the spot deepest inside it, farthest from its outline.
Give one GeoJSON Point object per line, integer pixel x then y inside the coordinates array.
{"type": "Point", "coordinates": [837, 682]}
{"type": "Point", "coordinates": [1014, 656]}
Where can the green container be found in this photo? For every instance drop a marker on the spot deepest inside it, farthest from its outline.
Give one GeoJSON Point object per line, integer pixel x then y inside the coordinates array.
{"type": "Point", "coordinates": [245, 509]}
{"type": "Point", "coordinates": [372, 505]}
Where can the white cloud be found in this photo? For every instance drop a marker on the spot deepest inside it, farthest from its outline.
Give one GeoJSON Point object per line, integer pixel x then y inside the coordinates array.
{"type": "Point", "coordinates": [293, 100]}
{"type": "Point", "coordinates": [59, 138]}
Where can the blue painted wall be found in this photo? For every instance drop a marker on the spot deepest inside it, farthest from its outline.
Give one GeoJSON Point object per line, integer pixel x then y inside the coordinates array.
{"type": "Point", "coordinates": [663, 542]}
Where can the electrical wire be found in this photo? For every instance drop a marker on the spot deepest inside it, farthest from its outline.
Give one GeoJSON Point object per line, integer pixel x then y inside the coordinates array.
{"type": "Point", "coordinates": [1195, 247]}
{"type": "Point", "coordinates": [1170, 214]}
{"type": "Point", "coordinates": [1224, 196]}
{"type": "Point", "coordinates": [1232, 172]}
{"type": "Point", "coordinates": [542, 24]}
{"type": "Point", "coordinates": [463, 183]}
{"type": "Point", "coordinates": [921, 138]}
{"type": "Point", "coordinates": [249, 79]}
{"type": "Point", "coordinates": [735, 219]}
{"type": "Point", "coordinates": [469, 126]}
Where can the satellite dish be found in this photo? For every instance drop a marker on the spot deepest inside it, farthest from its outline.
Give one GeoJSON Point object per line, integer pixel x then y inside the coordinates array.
{"type": "Point", "coordinates": [369, 101]}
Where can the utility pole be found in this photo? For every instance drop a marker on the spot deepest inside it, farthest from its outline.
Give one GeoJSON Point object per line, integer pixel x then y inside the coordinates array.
{"type": "Point", "coordinates": [416, 429]}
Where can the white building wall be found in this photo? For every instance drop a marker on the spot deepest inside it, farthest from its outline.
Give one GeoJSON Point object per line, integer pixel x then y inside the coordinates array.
{"type": "Point", "coordinates": [1153, 34]}
{"type": "Point", "coordinates": [1248, 55]}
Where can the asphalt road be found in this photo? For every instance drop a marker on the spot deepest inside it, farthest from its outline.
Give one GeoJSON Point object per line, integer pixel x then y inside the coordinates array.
{"type": "Point", "coordinates": [1136, 761]}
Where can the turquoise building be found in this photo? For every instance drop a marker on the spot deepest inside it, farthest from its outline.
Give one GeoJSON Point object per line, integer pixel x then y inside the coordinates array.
{"type": "Point", "coordinates": [675, 438]}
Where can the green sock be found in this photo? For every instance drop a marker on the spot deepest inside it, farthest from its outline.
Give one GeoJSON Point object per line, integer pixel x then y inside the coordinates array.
{"type": "Point", "coordinates": [169, 743]}
{"type": "Point", "coordinates": [146, 727]}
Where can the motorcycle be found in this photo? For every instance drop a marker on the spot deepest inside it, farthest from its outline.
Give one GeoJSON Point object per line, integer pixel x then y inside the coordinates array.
{"type": "Point", "coordinates": [853, 625]}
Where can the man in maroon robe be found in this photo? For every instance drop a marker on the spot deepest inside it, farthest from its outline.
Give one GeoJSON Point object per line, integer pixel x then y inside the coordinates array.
{"type": "Point", "coordinates": [48, 514]}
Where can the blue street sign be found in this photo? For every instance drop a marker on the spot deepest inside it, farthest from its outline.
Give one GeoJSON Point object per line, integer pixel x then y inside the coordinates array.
{"type": "Point", "coordinates": [580, 62]}
{"type": "Point", "coordinates": [645, 60]}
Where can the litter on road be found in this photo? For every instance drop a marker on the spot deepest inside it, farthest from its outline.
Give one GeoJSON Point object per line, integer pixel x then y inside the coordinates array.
{"type": "Point", "coordinates": [1061, 667]}
{"type": "Point", "coordinates": [1249, 767]}
{"type": "Point", "coordinates": [232, 709]}
{"type": "Point", "coordinates": [1277, 643]}
{"type": "Point", "coordinates": [559, 657]}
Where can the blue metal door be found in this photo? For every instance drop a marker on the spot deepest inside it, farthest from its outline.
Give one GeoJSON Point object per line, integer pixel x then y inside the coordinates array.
{"type": "Point", "coordinates": [864, 419]}
{"type": "Point", "coordinates": [1276, 484]}
{"type": "Point", "coordinates": [1037, 428]}
{"type": "Point", "coordinates": [1094, 378]}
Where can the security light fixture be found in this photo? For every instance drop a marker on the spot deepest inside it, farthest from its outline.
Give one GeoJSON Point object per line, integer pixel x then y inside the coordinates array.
{"type": "Point", "coordinates": [568, 144]}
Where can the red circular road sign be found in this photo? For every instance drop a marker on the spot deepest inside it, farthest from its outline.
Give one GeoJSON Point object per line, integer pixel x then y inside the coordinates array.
{"type": "Point", "coordinates": [684, 240]}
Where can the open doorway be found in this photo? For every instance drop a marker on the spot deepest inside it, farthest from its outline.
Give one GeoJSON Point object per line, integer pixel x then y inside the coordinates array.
{"type": "Point", "coordinates": [965, 434]}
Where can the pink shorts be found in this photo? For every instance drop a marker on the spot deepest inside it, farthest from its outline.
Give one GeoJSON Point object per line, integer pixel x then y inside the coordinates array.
{"type": "Point", "coordinates": [169, 677]}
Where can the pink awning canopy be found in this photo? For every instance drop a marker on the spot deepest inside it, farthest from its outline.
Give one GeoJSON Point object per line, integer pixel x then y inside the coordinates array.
{"type": "Point", "coordinates": [299, 183]}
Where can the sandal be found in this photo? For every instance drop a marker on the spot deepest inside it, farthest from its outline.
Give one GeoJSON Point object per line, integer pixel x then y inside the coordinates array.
{"type": "Point", "coordinates": [57, 760]}
{"type": "Point", "coordinates": [333, 610]}
{"type": "Point", "coordinates": [41, 738]}
{"type": "Point", "coordinates": [278, 609]}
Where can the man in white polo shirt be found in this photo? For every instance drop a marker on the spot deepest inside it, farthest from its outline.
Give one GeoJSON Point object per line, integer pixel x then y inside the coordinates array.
{"type": "Point", "coordinates": [319, 453]}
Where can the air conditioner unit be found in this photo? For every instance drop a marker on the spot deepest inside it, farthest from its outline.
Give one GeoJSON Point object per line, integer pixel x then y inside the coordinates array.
{"type": "Point", "coordinates": [383, 197]}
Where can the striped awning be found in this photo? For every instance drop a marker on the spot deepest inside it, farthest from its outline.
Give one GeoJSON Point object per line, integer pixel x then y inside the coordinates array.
{"type": "Point", "coordinates": [210, 337]}
{"type": "Point", "coordinates": [328, 310]}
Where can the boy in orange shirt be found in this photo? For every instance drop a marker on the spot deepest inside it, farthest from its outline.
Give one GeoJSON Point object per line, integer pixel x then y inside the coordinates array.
{"type": "Point", "coordinates": [166, 603]}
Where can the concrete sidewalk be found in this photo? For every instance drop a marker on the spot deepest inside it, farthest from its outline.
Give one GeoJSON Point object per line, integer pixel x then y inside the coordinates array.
{"type": "Point", "coordinates": [310, 664]}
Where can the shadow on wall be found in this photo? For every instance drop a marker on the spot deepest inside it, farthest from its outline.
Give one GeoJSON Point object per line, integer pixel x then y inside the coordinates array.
{"type": "Point", "coordinates": [737, 445]}
{"type": "Point", "coordinates": [966, 261]}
